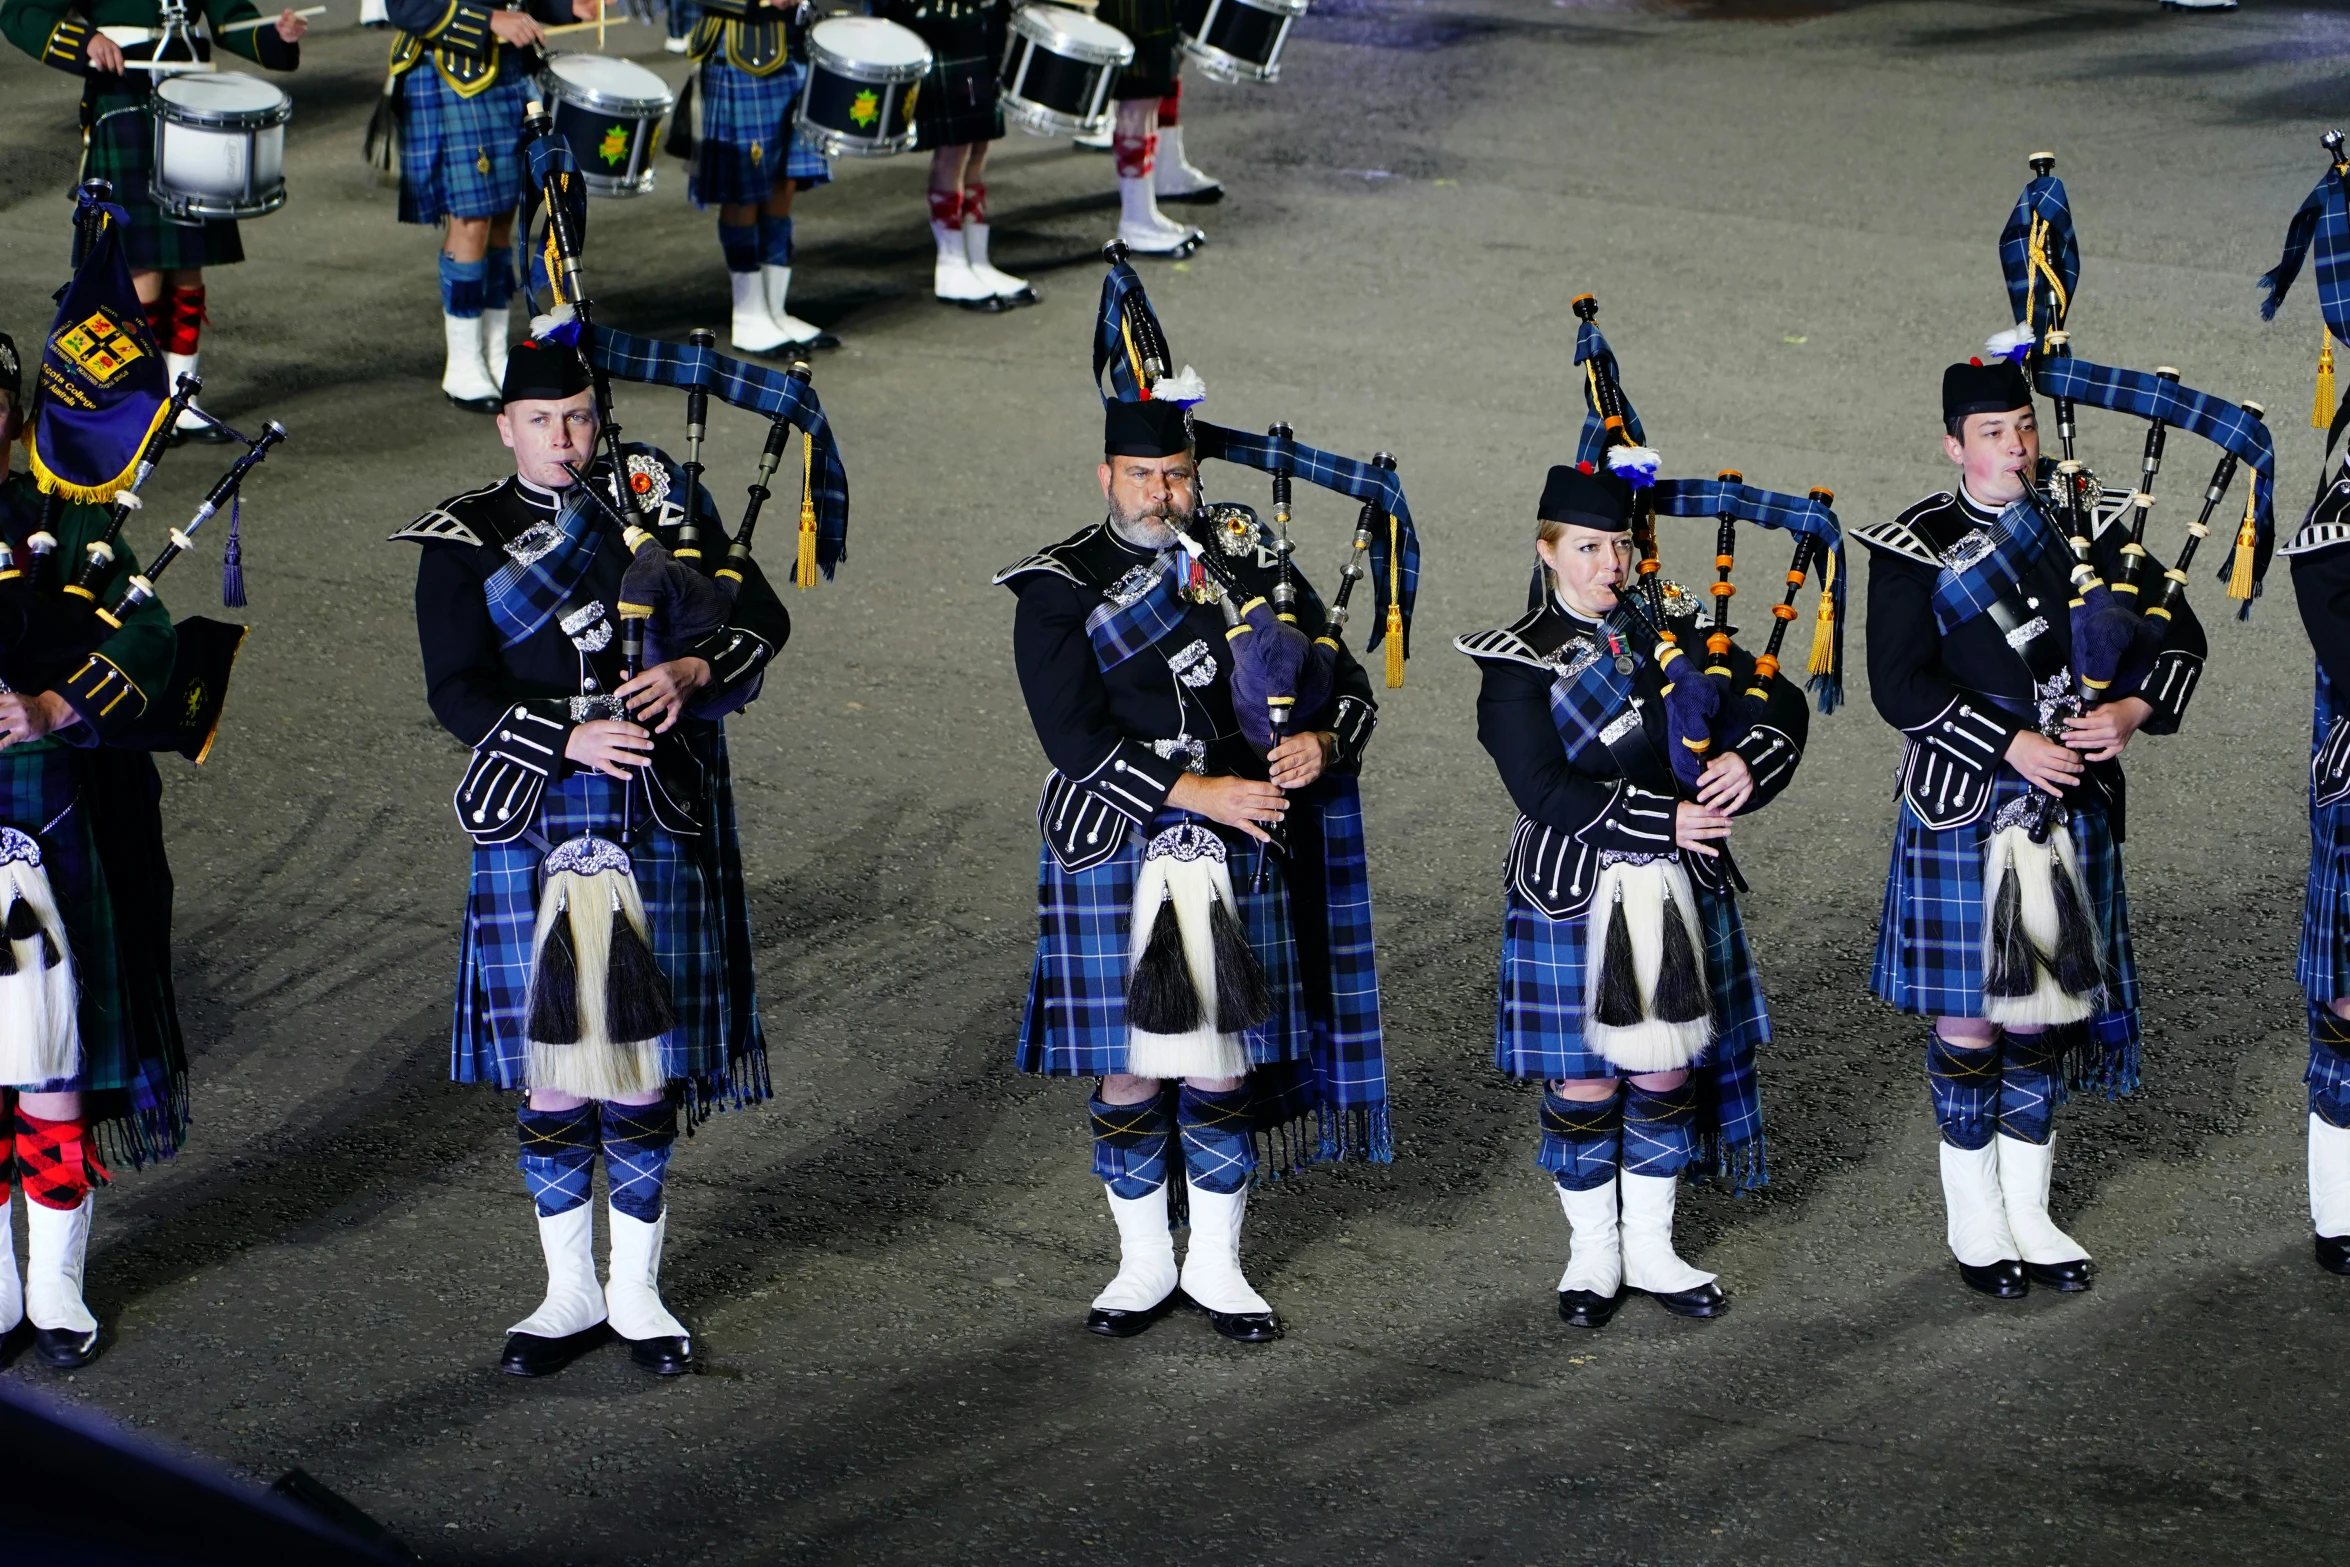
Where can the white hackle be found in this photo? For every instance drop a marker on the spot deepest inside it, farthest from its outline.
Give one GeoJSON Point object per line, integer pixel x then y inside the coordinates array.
{"type": "Point", "coordinates": [1184, 389]}
{"type": "Point", "coordinates": [1636, 464]}
{"type": "Point", "coordinates": [2012, 344]}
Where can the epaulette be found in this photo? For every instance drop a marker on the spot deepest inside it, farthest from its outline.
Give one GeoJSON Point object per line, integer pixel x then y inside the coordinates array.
{"type": "Point", "coordinates": [2329, 520]}
{"type": "Point", "coordinates": [1508, 644]}
{"type": "Point", "coordinates": [444, 524]}
{"type": "Point", "coordinates": [1074, 559]}
{"type": "Point", "coordinates": [1910, 534]}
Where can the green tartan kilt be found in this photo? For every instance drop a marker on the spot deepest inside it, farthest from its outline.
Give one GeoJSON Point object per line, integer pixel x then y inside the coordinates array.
{"type": "Point", "coordinates": [121, 150]}
{"type": "Point", "coordinates": [94, 814]}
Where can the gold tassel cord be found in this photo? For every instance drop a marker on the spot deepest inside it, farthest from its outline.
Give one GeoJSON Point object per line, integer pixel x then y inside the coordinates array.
{"type": "Point", "coordinates": [2321, 411]}
{"type": "Point", "coordinates": [2247, 540]}
{"type": "Point", "coordinates": [2043, 268]}
{"type": "Point", "coordinates": [806, 574]}
{"type": "Point", "coordinates": [1394, 603]}
{"type": "Point", "coordinates": [1823, 630]}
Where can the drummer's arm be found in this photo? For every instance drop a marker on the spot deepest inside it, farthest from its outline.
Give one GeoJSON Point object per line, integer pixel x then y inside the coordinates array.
{"type": "Point", "coordinates": [52, 32]}
{"type": "Point", "coordinates": [277, 46]}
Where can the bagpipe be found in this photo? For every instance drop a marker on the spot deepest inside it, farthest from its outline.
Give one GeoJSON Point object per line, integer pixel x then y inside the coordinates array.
{"type": "Point", "coordinates": [2319, 233]}
{"type": "Point", "coordinates": [1277, 669]}
{"type": "Point", "coordinates": [96, 401]}
{"type": "Point", "coordinates": [1707, 716]}
{"type": "Point", "coordinates": [2039, 256]}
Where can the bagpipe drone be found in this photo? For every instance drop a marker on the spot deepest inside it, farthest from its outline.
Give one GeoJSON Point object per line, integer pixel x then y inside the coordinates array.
{"type": "Point", "coordinates": [1195, 980]}
{"type": "Point", "coordinates": [594, 980]}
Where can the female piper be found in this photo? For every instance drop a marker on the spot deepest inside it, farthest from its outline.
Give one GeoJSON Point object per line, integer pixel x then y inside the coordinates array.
{"type": "Point", "coordinates": [1623, 956]}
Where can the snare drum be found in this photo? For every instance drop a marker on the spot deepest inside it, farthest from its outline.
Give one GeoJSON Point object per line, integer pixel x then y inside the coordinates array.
{"type": "Point", "coordinates": [1239, 40]}
{"type": "Point", "coordinates": [609, 111]}
{"type": "Point", "coordinates": [220, 146]}
{"type": "Point", "coordinates": [1058, 69]}
{"type": "Point", "coordinates": [862, 76]}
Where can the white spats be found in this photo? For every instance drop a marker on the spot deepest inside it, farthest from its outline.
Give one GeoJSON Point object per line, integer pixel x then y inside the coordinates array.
{"type": "Point", "coordinates": [57, 1241]}
{"type": "Point", "coordinates": [1647, 1004]}
{"type": "Point", "coordinates": [632, 1295]}
{"type": "Point", "coordinates": [1146, 1253]}
{"type": "Point", "coordinates": [1172, 173]}
{"type": "Point", "coordinates": [1646, 1227]}
{"type": "Point", "coordinates": [1143, 228]}
{"type": "Point", "coordinates": [952, 278]}
{"type": "Point", "coordinates": [2024, 1169]}
{"type": "Point", "coordinates": [2042, 954]}
{"type": "Point", "coordinates": [796, 333]}
{"type": "Point", "coordinates": [754, 330]}
{"type": "Point", "coordinates": [574, 1303]}
{"type": "Point", "coordinates": [1211, 1264]}
{"type": "Point", "coordinates": [494, 344]}
{"type": "Point", "coordinates": [40, 1036]}
{"type": "Point", "coordinates": [2329, 1178]}
{"type": "Point", "coordinates": [1978, 1228]}
{"type": "Point", "coordinates": [465, 377]}
{"type": "Point", "coordinates": [175, 366]}
{"type": "Point", "coordinates": [1595, 1254]}
{"type": "Point", "coordinates": [1002, 284]}
{"type": "Point", "coordinates": [11, 1286]}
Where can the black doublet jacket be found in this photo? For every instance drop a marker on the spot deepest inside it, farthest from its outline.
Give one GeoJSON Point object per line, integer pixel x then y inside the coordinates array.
{"type": "Point", "coordinates": [1576, 805]}
{"type": "Point", "coordinates": [1961, 698]}
{"type": "Point", "coordinates": [515, 707]}
{"type": "Point", "coordinates": [1118, 741]}
{"type": "Point", "coordinates": [2321, 588]}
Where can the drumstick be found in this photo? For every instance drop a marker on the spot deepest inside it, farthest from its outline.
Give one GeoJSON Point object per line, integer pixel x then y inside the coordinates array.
{"type": "Point", "coordinates": [250, 23]}
{"type": "Point", "coordinates": [576, 27]}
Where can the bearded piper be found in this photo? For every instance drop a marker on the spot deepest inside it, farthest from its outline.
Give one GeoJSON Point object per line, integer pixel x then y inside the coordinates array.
{"type": "Point", "coordinates": [606, 958]}
{"type": "Point", "coordinates": [1205, 942]}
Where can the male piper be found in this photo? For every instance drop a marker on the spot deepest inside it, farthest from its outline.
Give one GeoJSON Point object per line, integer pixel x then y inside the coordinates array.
{"type": "Point", "coordinates": [2320, 553]}
{"type": "Point", "coordinates": [605, 964]}
{"type": "Point", "coordinates": [461, 76]}
{"type": "Point", "coordinates": [104, 42]}
{"type": "Point", "coordinates": [1163, 824]}
{"type": "Point", "coordinates": [2005, 920]}
{"type": "Point", "coordinates": [81, 856]}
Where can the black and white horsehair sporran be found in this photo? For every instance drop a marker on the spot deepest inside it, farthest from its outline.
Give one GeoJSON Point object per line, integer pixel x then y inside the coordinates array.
{"type": "Point", "coordinates": [1196, 987]}
{"type": "Point", "coordinates": [40, 1037]}
{"type": "Point", "coordinates": [599, 1002]}
{"type": "Point", "coordinates": [1647, 1006]}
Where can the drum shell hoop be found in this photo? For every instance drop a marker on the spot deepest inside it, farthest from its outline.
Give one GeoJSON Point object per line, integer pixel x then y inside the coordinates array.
{"type": "Point", "coordinates": [1240, 40]}
{"type": "Point", "coordinates": [863, 74]}
{"type": "Point", "coordinates": [1046, 72]}
{"type": "Point", "coordinates": [223, 120]}
{"type": "Point", "coordinates": [1027, 23]}
{"type": "Point", "coordinates": [637, 177]}
{"type": "Point", "coordinates": [259, 131]}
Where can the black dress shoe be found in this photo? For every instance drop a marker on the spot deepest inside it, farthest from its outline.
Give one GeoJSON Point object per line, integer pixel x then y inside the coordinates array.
{"type": "Point", "coordinates": [2070, 1277]}
{"type": "Point", "coordinates": [1707, 1300]}
{"type": "Point", "coordinates": [1242, 1327]}
{"type": "Point", "coordinates": [1110, 1322]}
{"type": "Point", "coordinates": [986, 304]}
{"type": "Point", "coordinates": [2003, 1280]}
{"type": "Point", "coordinates": [819, 341]}
{"type": "Point", "coordinates": [64, 1349]}
{"type": "Point", "coordinates": [475, 405]}
{"type": "Point", "coordinates": [1587, 1308]}
{"type": "Point", "coordinates": [529, 1355]}
{"type": "Point", "coordinates": [664, 1357]}
{"type": "Point", "coordinates": [2333, 1253]}
{"type": "Point", "coordinates": [1206, 196]}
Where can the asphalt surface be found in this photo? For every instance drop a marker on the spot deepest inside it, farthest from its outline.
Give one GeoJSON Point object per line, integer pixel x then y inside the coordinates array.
{"type": "Point", "coordinates": [1789, 214]}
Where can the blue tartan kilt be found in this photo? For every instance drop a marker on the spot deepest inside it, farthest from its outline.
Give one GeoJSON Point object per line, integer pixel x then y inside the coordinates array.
{"type": "Point", "coordinates": [1075, 1025]}
{"type": "Point", "coordinates": [715, 1055]}
{"type": "Point", "coordinates": [460, 157]}
{"type": "Point", "coordinates": [2323, 967]}
{"type": "Point", "coordinates": [1930, 935]}
{"type": "Point", "coordinates": [747, 127]}
{"type": "Point", "coordinates": [1538, 1030]}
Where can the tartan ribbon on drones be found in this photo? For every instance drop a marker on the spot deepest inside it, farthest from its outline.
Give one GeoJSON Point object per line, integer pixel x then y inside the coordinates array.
{"type": "Point", "coordinates": [2040, 256]}
{"type": "Point", "coordinates": [756, 389]}
{"type": "Point", "coordinates": [551, 160]}
{"type": "Point", "coordinates": [1801, 515]}
{"type": "Point", "coordinates": [1592, 353]}
{"type": "Point", "coordinates": [2322, 223]}
{"type": "Point", "coordinates": [2214, 418]}
{"type": "Point", "coordinates": [1395, 549]}
{"type": "Point", "coordinates": [1121, 290]}
{"type": "Point", "coordinates": [102, 386]}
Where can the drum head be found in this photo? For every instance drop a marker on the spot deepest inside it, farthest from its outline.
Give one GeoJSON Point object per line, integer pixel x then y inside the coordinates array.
{"type": "Point", "coordinates": [872, 43]}
{"type": "Point", "coordinates": [221, 95]}
{"type": "Point", "coordinates": [608, 83]}
{"type": "Point", "coordinates": [1074, 34]}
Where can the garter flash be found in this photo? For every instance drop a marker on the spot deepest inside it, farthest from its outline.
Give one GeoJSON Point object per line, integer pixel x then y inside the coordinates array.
{"type": "Point", "coordinates": [40, 1040]}
{"type": "Point", "coordinates": [2041, 963]}
{"type": "Point", "coordinates": [599, 1004]}
{"type": "Point", "coordinates": [1197, 988]}
{"type": "Point", "coordinates": [1646, 1004]}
